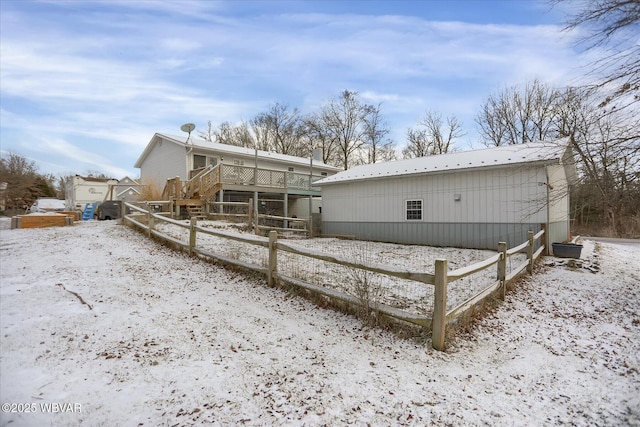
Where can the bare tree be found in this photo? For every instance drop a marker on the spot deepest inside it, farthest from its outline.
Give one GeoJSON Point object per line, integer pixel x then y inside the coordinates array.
{"type": "Point", "coordinates": [261, 130]}
{"type": "Point", "coordinates": [224, 134]}
{"type": "Point", "coordinates": [377, 145]}
{"type": "Point", "coordinates": [608, 150]}
{"type": "Point", "coordinates": [209, 134]}
{"type": "Point", "coordinates": [285, 130]}
{"type": "Point", "coordinates": [343, 118]}
{"type": "Point", "coordinates": [242, 135]}
{"type": "Point", "coordinates": [319, 136]}
{"type": "Point", "coordinates": [228, 133]}
{"type": "Point", "coordinates": [417, 144]}
{"type": "Point", "coordinates": [433, 136]}
{"type": "Point", "coordinates": [614, 24]}
{"type": "Point", "coordinates": [518, 115]}
{"type": "Point", "coordinates": [606, 143]}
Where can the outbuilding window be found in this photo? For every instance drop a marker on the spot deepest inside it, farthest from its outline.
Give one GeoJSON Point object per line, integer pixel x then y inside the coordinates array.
{"type": "Point", "coordinates": [414, 210]}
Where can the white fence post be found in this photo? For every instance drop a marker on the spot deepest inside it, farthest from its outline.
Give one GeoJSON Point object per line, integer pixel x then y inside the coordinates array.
{"type": "Point", "coordinates": [123, 211]}
{"type": "Point", "coordinates": [439, 319]}
{"type": "Point", "coordinates": [502, 268]}
{"type": "Point", "coordinates": [273, 256]}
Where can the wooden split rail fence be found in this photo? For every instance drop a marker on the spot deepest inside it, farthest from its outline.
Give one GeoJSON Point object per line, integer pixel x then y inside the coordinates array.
{"type": "Point", "coordinates": [440, 318]}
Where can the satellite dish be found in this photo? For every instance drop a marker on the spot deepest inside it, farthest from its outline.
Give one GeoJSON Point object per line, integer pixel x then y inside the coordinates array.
{"type": "Point", "coordinates": [187, 127]}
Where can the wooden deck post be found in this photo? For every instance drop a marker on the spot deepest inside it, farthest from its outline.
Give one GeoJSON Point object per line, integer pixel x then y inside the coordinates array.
{"type": "Point", "coordinates": [251, 213]}
{"type": "Point", "coordinates": [273, 256]}
{"type": "Point", "coordinates": [530, 252]}
{"type": "Point", "coordinates": [192, 234]}
{"type": "Point", "coordinates": [150, 220]}
{"type": "Point", "coordinates": [502, 268]}
{"type": "Point", "coordinates": [439, 319]}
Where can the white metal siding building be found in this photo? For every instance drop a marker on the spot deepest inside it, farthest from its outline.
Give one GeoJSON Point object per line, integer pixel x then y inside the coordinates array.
{"type": "Point", "coordinates": [471, 199]}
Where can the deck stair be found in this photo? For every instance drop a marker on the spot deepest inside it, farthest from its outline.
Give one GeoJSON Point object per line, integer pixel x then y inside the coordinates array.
{"type": "Point", "coordinates": [195, 211]}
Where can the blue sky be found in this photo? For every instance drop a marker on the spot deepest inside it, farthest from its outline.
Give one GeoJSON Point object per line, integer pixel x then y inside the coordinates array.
{"type": "Point", "coordinates": [84, 85]}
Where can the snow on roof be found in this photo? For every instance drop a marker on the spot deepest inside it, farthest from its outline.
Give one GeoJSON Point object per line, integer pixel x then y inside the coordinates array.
{"type": "Point", "coordinates": [488, 157]}
{"type": "Point", "coordinates": [244, 151]}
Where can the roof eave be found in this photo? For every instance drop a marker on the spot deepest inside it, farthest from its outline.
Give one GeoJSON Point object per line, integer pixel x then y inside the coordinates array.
{"type": "Point", "coordinates": [438, 172]}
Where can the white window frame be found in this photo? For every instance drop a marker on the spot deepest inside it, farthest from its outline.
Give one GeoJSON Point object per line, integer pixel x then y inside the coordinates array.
{"type": "Point", "coordinates": [208, 160]}
{"type": "Point", "coordinates": [408, 207]}
{"type": "Point", "coordinates": [199, 156]}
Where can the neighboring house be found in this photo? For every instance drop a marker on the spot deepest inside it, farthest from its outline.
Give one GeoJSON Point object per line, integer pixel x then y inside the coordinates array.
{"type": "Point", "coordinates": [276, 182]}
{"type": "Point", "coordinates": [126, 189]}
{"type": "Point", "coordinates": [471, 199]}
{"type": "Point", "coordinates": [81, 190]}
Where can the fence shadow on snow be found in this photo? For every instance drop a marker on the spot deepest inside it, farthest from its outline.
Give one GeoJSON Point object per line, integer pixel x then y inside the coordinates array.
{"type": "Point", "coordinates": [415, 297]}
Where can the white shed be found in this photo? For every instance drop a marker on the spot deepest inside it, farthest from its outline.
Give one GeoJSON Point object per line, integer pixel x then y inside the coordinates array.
{"type": "Point", "coordinates": [470, 199]}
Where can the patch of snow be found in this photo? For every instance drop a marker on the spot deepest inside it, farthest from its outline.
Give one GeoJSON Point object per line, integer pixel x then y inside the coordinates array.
{"type": "Point", "coordinates": [166, 339]}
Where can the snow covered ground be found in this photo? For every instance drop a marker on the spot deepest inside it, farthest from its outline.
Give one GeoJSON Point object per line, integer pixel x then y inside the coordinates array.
{"type": "Point", "coordinates": [130, 333]}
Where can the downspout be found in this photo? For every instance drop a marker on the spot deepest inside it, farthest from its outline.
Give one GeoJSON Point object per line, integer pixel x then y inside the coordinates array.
{"type": "Point", "coordinates": [189, 160]}
{"type": "Point", "coordinates": [310, 195]}
{"type": "Point", "coordinates": [256, 205]}
{"type": "Point", "coordinates": [548, 189]}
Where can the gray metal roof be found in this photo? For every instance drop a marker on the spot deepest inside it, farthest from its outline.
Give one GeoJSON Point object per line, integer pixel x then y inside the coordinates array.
{"type": "Point", "coordinates": [548, 152]}
{"type": "Point", "coordinates": [233, 150]}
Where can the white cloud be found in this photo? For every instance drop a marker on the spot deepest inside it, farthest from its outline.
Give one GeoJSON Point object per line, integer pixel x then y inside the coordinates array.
{"type": "Point", "coordinates": [120, 73]}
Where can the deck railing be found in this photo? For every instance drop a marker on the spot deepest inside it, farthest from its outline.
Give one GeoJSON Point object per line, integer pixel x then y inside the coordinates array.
{"type": "Point", "coordinates": [207, 181]}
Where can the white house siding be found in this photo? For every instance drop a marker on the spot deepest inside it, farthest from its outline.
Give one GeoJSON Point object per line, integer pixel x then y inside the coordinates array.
{"type": "Point", "coordinates": [166, 160]}
{"type": "Point", "coordinates": [168, 156]}
{"type": "Point", "coordinates": [495, 205]}
{"type": "Point", "coordinates": [558, 204]}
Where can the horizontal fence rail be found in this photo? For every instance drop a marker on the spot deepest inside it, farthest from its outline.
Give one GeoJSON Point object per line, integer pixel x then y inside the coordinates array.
{"type": "Point", "coordinates": [190, 236]}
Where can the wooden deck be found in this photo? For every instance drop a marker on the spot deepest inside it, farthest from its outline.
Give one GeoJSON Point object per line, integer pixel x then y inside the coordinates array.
{"type": "Point", "coordinates": [207, 182]}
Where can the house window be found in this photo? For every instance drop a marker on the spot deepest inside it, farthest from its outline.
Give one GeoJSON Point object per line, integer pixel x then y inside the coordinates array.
{"type": "Point", "coordinates": [199, 161]}
{"type": "Point", "coordinates": [323, 174]}
{"type": "Point", "coordinates": [414, 210]}
{"type": "Point", "coordinates": [290, 169]}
